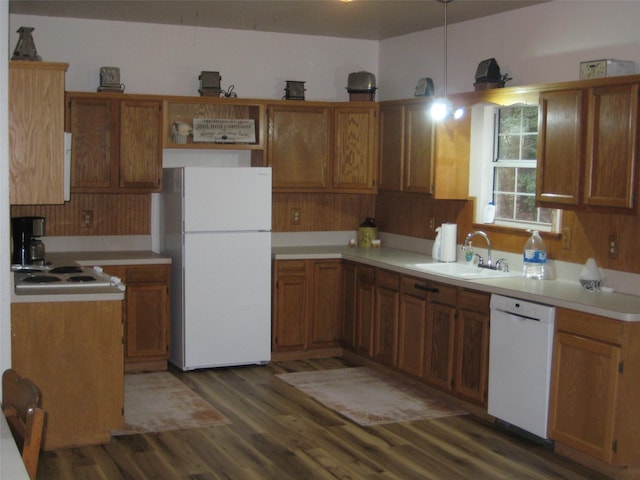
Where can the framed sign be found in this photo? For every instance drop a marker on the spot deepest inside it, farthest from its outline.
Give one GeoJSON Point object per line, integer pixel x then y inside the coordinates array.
{"type": "Point", "coordinates": [224, 130]}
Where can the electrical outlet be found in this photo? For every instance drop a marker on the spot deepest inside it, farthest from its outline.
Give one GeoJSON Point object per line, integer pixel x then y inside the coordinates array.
{"type": "Point", "coordinates": [87, 218]}
{"type": "Point", "coordinates": [432, 223]}
{"type": "Point", "coordinates": [295, 216]}
{"type": "Point", "coordinates": [566, 238]}
{"type": "Point", "coordinates": [613, 246]}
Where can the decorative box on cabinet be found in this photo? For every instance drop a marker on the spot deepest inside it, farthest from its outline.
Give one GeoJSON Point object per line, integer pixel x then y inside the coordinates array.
{"type": "Point", "coordinates": [146, 315]}
{"type": "Point", "coordinates": [594, 401]}
{"type": "Point", "coordinates": [116, 143]}
{"type": "Point", "coordinates": [36, 132]}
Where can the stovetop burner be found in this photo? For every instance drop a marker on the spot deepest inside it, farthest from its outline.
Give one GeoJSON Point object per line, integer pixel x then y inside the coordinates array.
{"type": "Point", "coordinates": [66, 269]}
{"type": "Point", "coordinates": [81, 278]}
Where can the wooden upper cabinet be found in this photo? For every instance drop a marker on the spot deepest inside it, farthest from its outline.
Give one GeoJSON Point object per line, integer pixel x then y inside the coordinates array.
{"type": "Point", "coordinates": [612, 146]}
{"type": "Point", "coordinates": [560, 144]}
{"type": "Point", "coordinates": [36, 132]}
{"type": "Point", "coordinates": [422, 156]}
{"type": "Point", "coordinates": [116, 144]}
{"type": "Point", "coordinates": [140, 145]}
{"type": "Point", "coordinates": [588, 146]}
{"type": "Point", "coordinates": [391, 168]}
{"type": "Point", "coordinates": [355, 148]}
{"type": "Point", "coordinates": [299, 146]}
{"type": "Point", "coordinates": [322, 147]}
{"type": "Point", "coordinates": [419, 149]}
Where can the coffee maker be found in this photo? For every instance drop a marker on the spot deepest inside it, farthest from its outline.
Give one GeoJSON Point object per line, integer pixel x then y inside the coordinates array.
{"type": "Point", "coordinates": [27, 248]}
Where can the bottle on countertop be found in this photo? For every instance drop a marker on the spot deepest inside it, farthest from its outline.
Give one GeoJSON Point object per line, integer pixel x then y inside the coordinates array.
{"type": "Point", "coordinates": [535, 258]}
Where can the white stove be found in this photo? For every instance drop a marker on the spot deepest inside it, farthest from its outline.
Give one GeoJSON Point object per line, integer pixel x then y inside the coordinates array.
{"type": "Point", "coordinates": [72, 276]}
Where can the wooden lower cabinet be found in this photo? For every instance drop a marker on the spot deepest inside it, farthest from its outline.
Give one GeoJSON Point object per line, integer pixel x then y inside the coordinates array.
{"type": "Point", "coordinates": [440, 355]}
{"type": "Point", "coordinates": [307, 305]}
{"type": "Point", "coordinates": [349, 286]}
{"type": "Point", "coordinates": [73, 353]}
{"type": "Point", "coordinates": [146, 315]}
{"type": "Point", "coordinates": [365, 308]}
{"type": "Point", "coordinates": [595, 398]}
{"type": "Point", "coordinates": [412, 325]}
{"type": "Point", "coordinates": [387, 310]}
{"type": "Point", "coordinates": [472, 346]}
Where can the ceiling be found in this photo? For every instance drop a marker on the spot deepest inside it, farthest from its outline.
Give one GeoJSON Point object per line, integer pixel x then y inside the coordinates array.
{"type": "Point", "coordinates": [361, 19]}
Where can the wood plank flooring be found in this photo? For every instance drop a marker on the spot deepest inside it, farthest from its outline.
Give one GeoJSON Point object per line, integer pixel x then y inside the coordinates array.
{"type": "Point", "coordinates": [279, 433]}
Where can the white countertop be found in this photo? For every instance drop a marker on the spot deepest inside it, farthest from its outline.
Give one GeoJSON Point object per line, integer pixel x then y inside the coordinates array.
{"type": "Point", "coordinates": [559, 293]}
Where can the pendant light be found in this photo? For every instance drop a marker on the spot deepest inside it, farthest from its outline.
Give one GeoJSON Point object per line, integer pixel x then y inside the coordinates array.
{"type": "Point", "coordinates": [441, 108]}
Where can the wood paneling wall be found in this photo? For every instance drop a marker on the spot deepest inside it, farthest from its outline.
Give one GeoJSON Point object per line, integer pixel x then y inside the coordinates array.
{"type": "Point", "coordinates": [112, 215]}
{"type": "Point", "coordinates": [321, 211]}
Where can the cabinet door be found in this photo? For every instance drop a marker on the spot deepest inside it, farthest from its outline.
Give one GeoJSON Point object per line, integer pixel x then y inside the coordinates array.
{"type": "Point", "coordinates": [349, 281]}
{"type": "Point", "coordinates": [440, 345]}
{"type": "Point", "coordinates": [387, 308]}
{"type": "Point", "coordinates": [612, 146]}
{"type": "Point", "coordinates": [91, 122]}
{"type": "Point", "coordinates": [451, 159]}
{"type": "Point", "coordinates": [355, 149]}
{"type": "Point", "coordinates": [584, 387]}
{"type": "Point", "coordinates": [326, 316]}
{"type": "Point", "coordinates": [472, 362]}
{"type": "Point", "coordinates": [418, 172]}
{"type": "Point", "coordinates": [291, 310]}
{"type": "Point", "coordinates": [299, 146]}
{"type": "Point", "coordinates": [560, 147]}
{"type": "Point", "coordinates": [412, 326]}
{"type": "Point", "coordinates": [391, 148]}
{"type": "Point", "coordinates": [36, 132]}
{"type": "Point", "coordinates": [140, 164]}
{"type": "Point", "coordinates": [147, 322]}
{"type": "Point", "coordinates": [365, 298]}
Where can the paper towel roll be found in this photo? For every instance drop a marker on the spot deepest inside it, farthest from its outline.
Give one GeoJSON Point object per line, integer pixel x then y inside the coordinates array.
{"type": "Point", "coordinates": [448, 245]}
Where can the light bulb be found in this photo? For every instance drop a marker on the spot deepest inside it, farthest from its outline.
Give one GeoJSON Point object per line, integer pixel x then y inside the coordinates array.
{"type": "Point", "coordinates": [440, 109]}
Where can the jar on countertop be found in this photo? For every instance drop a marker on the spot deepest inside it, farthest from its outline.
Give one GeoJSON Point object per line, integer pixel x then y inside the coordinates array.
{"type": "Point", "coordinates": [367, 232]}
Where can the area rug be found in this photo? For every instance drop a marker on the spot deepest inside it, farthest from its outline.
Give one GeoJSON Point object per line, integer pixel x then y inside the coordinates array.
{"type": "Point", "coordinates": [158, 401]}
{"type": "Point", "coordinates": [368, 397]}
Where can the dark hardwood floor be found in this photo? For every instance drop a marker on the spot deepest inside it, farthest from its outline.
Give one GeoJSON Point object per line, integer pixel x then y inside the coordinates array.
{"type": "Point", "coordinates": [279, 433]}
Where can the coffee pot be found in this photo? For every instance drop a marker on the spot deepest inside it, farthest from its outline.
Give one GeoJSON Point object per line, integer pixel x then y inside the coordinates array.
{"type": "Point", "coordinates": [27, 248]}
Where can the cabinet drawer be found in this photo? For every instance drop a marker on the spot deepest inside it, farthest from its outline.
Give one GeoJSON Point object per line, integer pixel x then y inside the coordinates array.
{"type": "Point", "coordinates": [366, 275]}
{"type": "Point", "coordinates": [150, 274]}
{"type": "Point", "coordinates": [592, 326]}
{"type": "Point", "coordinates": [291, 267]}
{"type": "Point", "coordinates": [442, 293]}
{"type": "Point", "coordinates": [388, 279]}
{"type": "Point", "coordinates": [416, 287]}
{"type": "Point", "coordinates": [474, 301]}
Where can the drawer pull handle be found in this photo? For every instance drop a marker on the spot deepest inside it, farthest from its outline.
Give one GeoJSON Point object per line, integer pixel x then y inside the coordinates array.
{"type": "Point", "coordinates": [419, 286]}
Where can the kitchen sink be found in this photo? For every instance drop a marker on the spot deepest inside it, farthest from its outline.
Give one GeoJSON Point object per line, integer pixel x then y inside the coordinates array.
{"type": "Point", "coordinates": [460, 270]}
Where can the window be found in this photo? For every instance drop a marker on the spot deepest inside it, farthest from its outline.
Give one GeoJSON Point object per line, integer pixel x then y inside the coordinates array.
{"type": "Point", "coordinates": [514, 169]}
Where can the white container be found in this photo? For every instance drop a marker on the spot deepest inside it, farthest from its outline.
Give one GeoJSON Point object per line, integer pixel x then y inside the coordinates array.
{"type": "Point", "coordinates": [606, 68]}
{"type": "Point", "coordinates": [448, 246]}
{"type": "Point", "coordinates": [535, 258]}
{"type": "Point", "coordinates": [435, 250]}
{"type": "Point", "coordinates": [489, 213]}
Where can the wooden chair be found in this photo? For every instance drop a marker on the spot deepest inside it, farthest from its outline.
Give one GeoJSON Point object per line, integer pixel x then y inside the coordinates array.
{"type": "Point", "coordinates": [21, 407]}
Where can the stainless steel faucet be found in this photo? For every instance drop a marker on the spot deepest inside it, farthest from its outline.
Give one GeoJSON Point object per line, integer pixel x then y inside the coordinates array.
{"type": "Point", "coordinates": [481, 263]}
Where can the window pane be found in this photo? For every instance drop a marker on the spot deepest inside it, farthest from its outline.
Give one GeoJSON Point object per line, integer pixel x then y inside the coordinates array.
{"type": "Point", "coordinates": [527, 180]}
{"type": "Point", "coordinates": [510, 121]}
{"type": "Point", "coordinates": [545, 215]}
{"type": "Point", "coordinates": [504, 206]}
{"type": "Point", "coordinates": [526, 208]}
{"type": "Point", "coordinates": [530, 119]}
{"type": "Point", "coordinates": [505, 179]}
{"type": "Point", "coordinates": [529, 147]}
{"type": "Point", "coordinates": [508, 147]}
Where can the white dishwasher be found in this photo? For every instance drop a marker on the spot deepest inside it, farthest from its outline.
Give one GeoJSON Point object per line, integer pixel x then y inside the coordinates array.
{"type": "Point", "coordinates": [520, 346]}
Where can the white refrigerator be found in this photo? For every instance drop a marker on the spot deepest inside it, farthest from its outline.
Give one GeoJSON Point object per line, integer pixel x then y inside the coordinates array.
{"type": "Point", "coordinates": [216, 224]}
